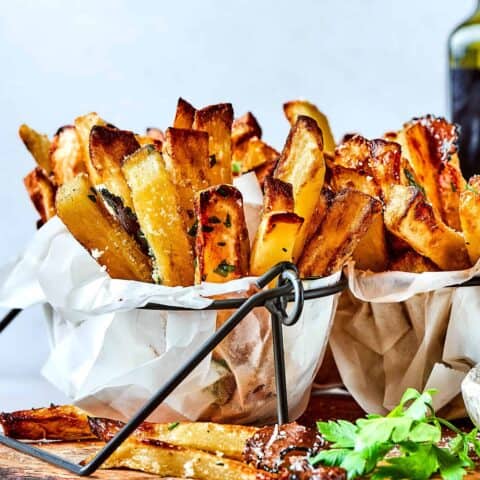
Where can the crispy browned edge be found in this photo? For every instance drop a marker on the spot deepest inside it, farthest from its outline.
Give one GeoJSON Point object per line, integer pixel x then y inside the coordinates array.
{"type": "Point", "coordinates": [411, 261]}
{"type": "Point", "coordinates": [278, 196]}
{"type": "Point", "coordinates": [344, 249]}
{"type": "Point", "coordinates": [42, 193]}
{"type": "Point", "coordinates": [354, 153]}
{"type": "Point", "coordinates": [264, 171]}
{"type": "Point", "coordinates": [184, 115]}
{"type": "Point", "coordinates": [118, 143]}
{"type": "Point", "coordinates": [53, 423]}
{"type": "Point", "coordinates": [302, 123]}
{"type": "Point", "coordinates": [244, 128]}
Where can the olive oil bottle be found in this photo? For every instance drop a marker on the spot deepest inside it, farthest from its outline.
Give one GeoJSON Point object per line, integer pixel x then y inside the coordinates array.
{"type": "Point", "coordinates": [464, 63]}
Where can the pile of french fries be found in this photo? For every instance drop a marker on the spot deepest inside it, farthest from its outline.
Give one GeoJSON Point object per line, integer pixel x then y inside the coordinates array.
{"type": "Point", "coordinates": [161, 207]}
{"type": "Point", "coordinates": [209, 451]}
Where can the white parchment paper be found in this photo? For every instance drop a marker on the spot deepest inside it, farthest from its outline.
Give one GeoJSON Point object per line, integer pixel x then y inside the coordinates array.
{"type": "Point", "coordinates": [395, 330]}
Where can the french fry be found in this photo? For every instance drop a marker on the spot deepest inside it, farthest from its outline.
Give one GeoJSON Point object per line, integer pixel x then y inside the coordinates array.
{"type": "Point", "coordinates": [38, 145]}
{"type": "Point", "coordinates": [244, 128]}
{"type": "Point", "coordinates": [323, 203]}
{"type": "Point", "coordinates": [429, 143]}
{"type": "Point", "coordinates": [450, 184]}
{"type": "Point", "coordinates": [184, 115]}
{"type": "Point", "coordinates": [165, 460]}
{"type": "Point", "coordinates": [207, 436]}
{"type": "Point", "coordinates": [354, 153]}
{"type": "Point", "coordinates": [252, 154]}
{"type": "Point", "coordinates": [346, 222]}
{"type": "Point", "coordinates": [344, 177]}
{"type": "Point", "coordinates": [157, 207]}
{"type": "Point", "coordinates": [84, 125]}
{"type": "Point", "coordinates": [66, 422]}
{"type": "Point", "coordinates": [107, 148]}
{"type": "Point", "coordinates": [410, 217]}
{"type": "Point", "coordinates": [155, 134]}
{"type": "Point", "coordinates": [66, 155]}
{"type": "Point", "coordinates": [278, 229]}
{"type": "Point", "coordinates": [411, 261]}
{"type": "Point", "coordinates": [297, 108]}
{"type": "Point", "coordinates": [222, 246]}
{"type": "Point", "coordinates": [385, 163]}
{"type": "Point", "coordinates": [274, 241]}
{"type": "Point", "coordinates": [82, 211]}
{"type": "Point", "coordinates": [470, 215]}
{"type": "Point", "coordinates": [41, 192]}
{"type": "Point", "coordinates": [371, 252]}
{"type": "Point", "coordinates": [302, 164]}
{"type": "Point", "coordinates": [186, 157]}
{"type": "Point", "coordinates": [217, 120]}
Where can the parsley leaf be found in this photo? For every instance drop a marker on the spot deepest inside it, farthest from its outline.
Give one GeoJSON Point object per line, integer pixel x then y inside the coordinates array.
{"type": "Point", "coordinates": [223, 268]}
{"type": "Point", "coordinates": [412, 181]}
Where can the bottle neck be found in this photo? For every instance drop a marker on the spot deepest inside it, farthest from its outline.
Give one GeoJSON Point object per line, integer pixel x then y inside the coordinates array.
{"type": "Point", "coordinates": [475, 17]}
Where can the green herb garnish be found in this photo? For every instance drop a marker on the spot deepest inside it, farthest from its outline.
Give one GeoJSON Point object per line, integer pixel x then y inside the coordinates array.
{"type": "Point", "coordinates": [223, 268]}
{"type": "Point", "coordinates": [214, 219]}
{"type": "Point", "coordinates": [223, 191]}
{"type": "Point", "coordinates": [236, 167]}
{"type": "Point", "coordinates": [207, 228]}
{"type": "Point", "coordinates": [228, 221]}
{"type": "Point", "coordinates": [92, 197]}
{"type": "Point", "coordinates": [213, 160]}
{"type": "Point", "coordinates": [412, 181]}
{"type": "Point", "coordinates": [412, 427]}
{"type": "Point", "coordinates": [471, 189]}
{"type": "Point", "coordinates": [173, 425]}
{"type": "Point", "coordinates": [453, 187]}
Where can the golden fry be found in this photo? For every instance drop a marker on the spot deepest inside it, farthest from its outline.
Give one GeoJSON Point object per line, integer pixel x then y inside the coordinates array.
{"type": "Point", "coordinates": [157, 206]}
{"type": "Point", "coordinates": [42, 193]}
{"type": "Point", "coordinates": [82, 211]}
{"type": "Point", "coordinates": [222, 245]}
{"type": "Point", "coordinates": [38, 145]}
{"type": "Point", "coordinates": [469, 217]}
{"type": "Point", "coordinates": [184, 115]}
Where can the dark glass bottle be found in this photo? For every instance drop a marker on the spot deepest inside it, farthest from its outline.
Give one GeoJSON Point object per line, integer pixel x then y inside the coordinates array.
{"type": "Point", "coordinates": [464, 60]}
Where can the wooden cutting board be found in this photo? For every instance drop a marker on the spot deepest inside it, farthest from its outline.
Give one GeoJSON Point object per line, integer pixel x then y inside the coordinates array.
{"type": "Point", "coordinates": [16, 466]}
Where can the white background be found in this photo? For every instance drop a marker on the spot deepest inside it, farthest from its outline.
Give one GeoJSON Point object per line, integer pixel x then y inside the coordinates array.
{"type": "Point", "coordinates": [369, 64]}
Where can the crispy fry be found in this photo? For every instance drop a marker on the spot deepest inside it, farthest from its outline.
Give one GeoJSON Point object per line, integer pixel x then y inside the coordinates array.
{"type": "Point", "coordinates": [185, 114]}
{"type": "Point", "coordinates": [354, 153]}
{"type": "Point", "coordinates": [165, 460]}
{"type": "Point", "coordinates": [323, 203]}
{"type": "Point", "coordinates": [411, 261]}
{"type": "Point", "coordinates": [217, 120]}
{"type": "Point", "coordinates": [108, 147]}
{"type": "Point", "coordinates": [244, 128]}
{"type": "Point", "coordinates": [157, 207]}
{"type": "Point", "coordinates": [429, 143]}
{"type": "Point", "coordinates": [371, 252]}
{"type": "Point", "coordinates": [302, 164]}
{"type": "Point", "coordinates": [66, 422]}
{"type": "Point", "coordinates": [66, 155]}
{"type": "Point", "coordinates": [450, 184]}
{"type": "Point", "coordinates": [470, 215]}
{"type": "Point", "coordinates": [252, 154]}
{"type": "Point", "coordinates": [42, 193]}
{"type": "Point", "coordinates": [346, 222]}
{"type": "Point", "coordinates": [83, 212]}
{"type": "Point", "coordinates": [84, 124]}
{"type": "Point", "coordinates": [385, 163]}
{"type": "Point", "coordinates": [211, 437]}
{"type": "Point", "coordinates": [155, 134]}
{"type": "Point", "coordinates": [274, 241]}
{"type": "Point", "coordinates": [344, 177]}
{"type": "Point", "coordinates": [38, 145]}
{"type": "Point", "coordinates": [222, 246]}
{"type": "Point", "coordinates": [186, 157]}
{"type": "Point", "coordinates": [297, 108]}
{"type": "Point", "coordinates": [409, 216]}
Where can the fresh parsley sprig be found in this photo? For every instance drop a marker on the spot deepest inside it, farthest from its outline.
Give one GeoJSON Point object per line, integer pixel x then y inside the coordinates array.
{"type": "Point", "coordinates": [365, 448]}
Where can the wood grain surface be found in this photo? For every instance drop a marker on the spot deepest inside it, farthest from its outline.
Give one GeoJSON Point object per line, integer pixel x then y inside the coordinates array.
{"type": "Point", "coordinates": [16, 466]}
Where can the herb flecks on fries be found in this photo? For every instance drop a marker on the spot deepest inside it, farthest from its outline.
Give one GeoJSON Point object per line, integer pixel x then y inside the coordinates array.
{"type": "Point", "coordinates": [166, 200]}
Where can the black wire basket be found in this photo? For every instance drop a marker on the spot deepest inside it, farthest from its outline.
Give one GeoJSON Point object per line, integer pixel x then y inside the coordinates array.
{"type": "Point", "coordinates": [289, 291]}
